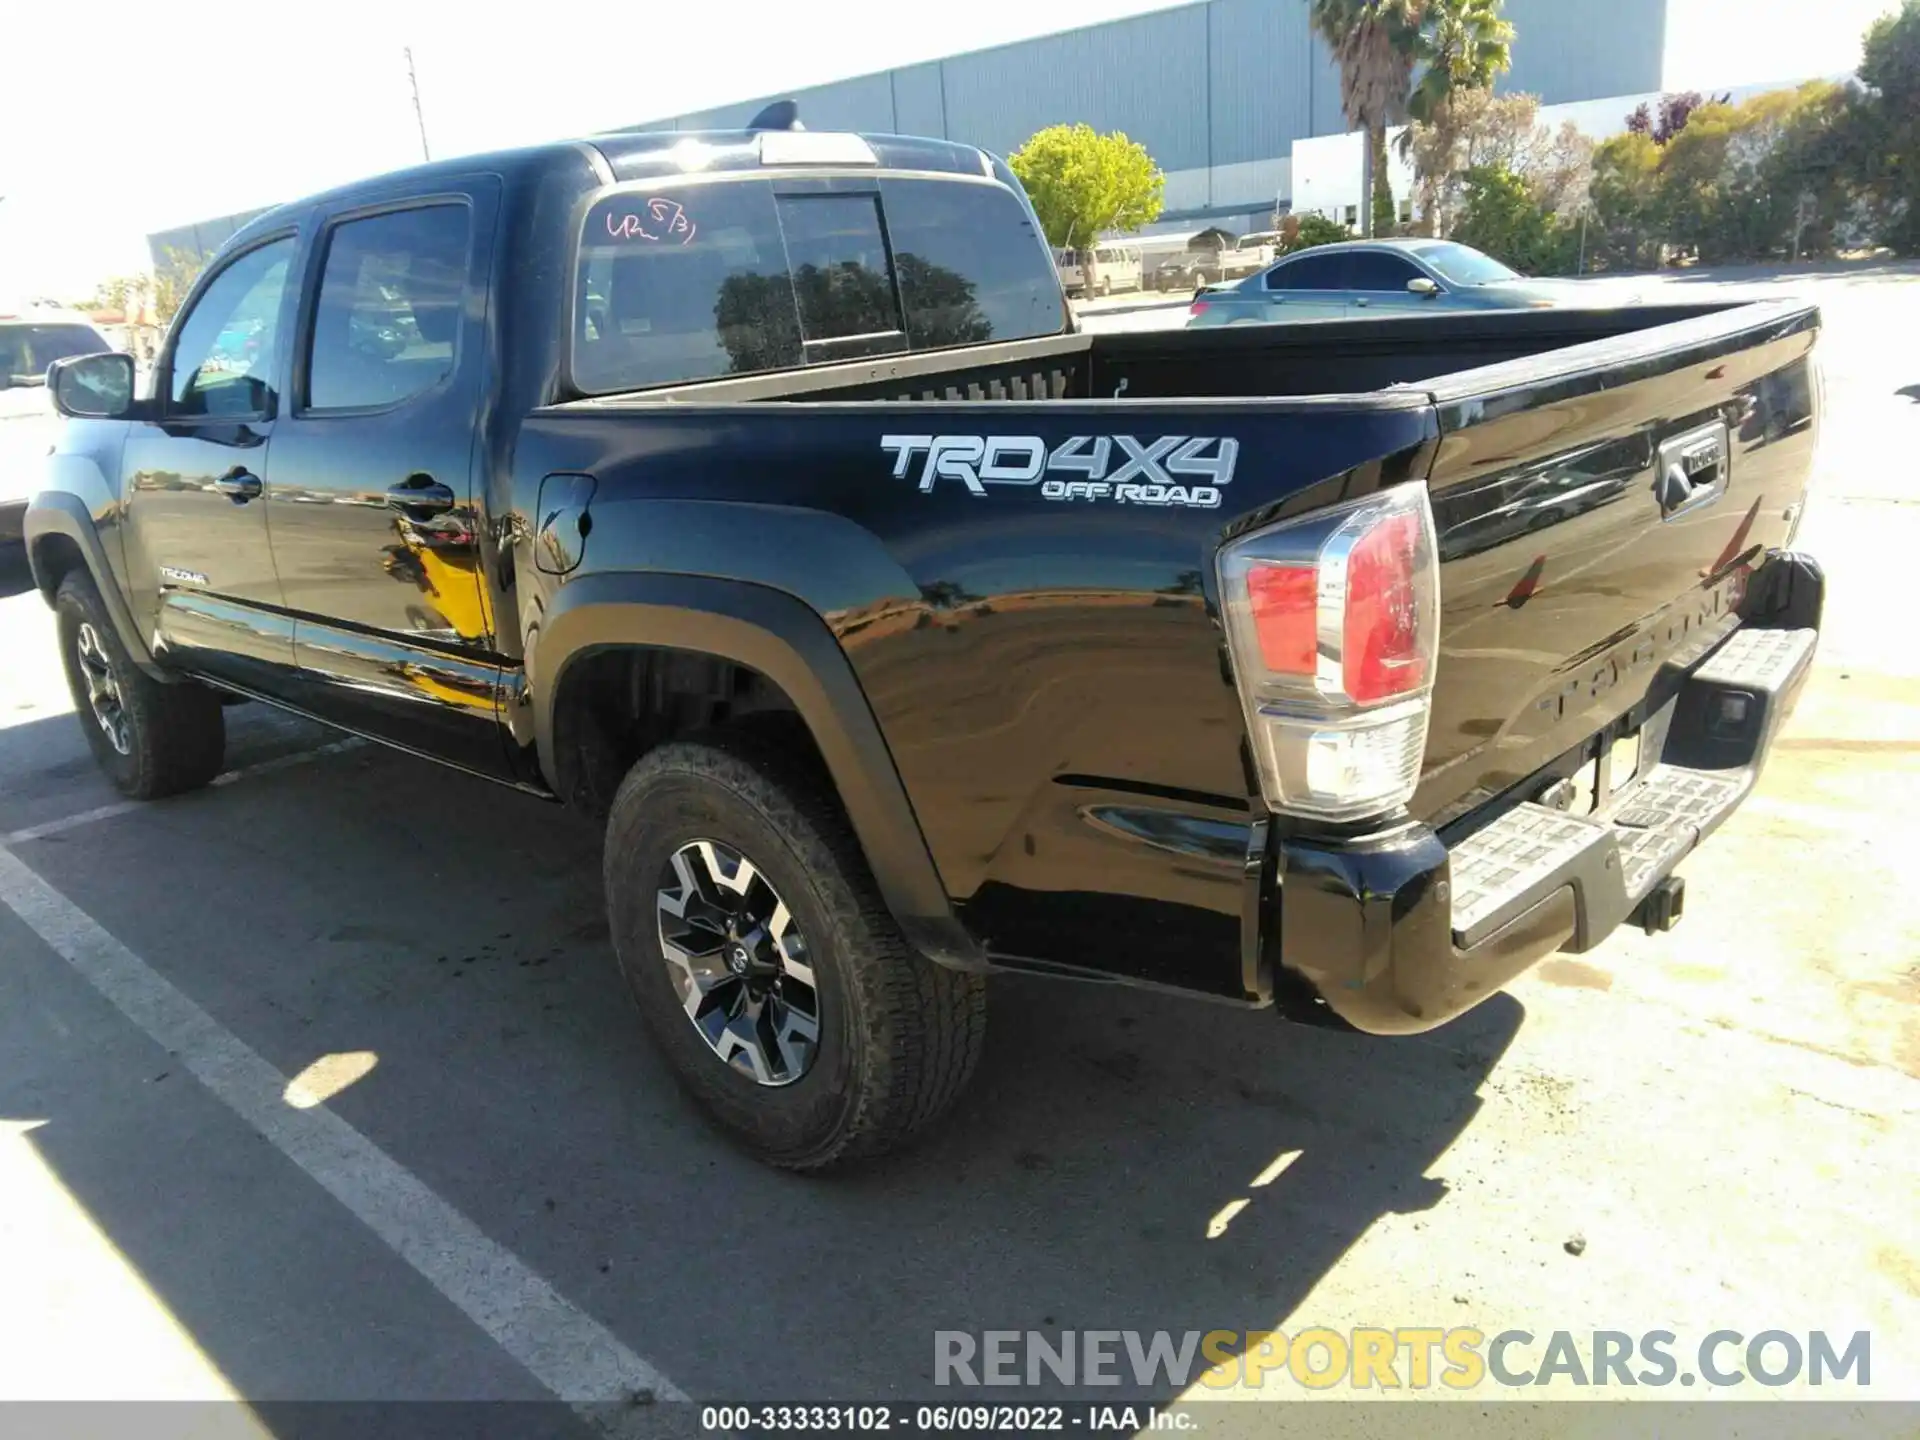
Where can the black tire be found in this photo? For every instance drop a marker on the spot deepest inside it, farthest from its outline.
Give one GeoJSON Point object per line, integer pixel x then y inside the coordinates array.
{"type": "Point", "coordinates": [898, 1036]}
{"type": "Point", "coordinates": [172, 737]}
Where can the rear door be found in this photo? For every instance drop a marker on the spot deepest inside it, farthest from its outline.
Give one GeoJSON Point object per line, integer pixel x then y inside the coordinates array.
{"type": "Point", "coordinates": [372, 507]}
{"type": "Point", "coordinates": [1308, 287]}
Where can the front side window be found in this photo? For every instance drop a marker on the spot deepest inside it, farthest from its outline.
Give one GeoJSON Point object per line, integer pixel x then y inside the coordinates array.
{"type": "Point", "coordinates": [387, 319]}
{"type": "Point", "coordinates": [1376, 270]}
{"type": "Point", "coordinates": [223, 360]}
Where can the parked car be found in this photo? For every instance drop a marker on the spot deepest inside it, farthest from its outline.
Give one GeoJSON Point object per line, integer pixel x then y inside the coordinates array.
{"type": "Point", "coordinates": [779, 517]}
{"type": "Point", "coordinates": [29, 343]}
{"type": "Point", "coordinates": [1375, 277]}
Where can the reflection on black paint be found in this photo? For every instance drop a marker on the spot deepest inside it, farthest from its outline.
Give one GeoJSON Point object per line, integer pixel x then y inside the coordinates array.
{"type": "Point", "coordinates": [1473, 519]}
{"type": "Point", "coordinates": [757, 323]}
{"type": "Point", "coordinates": [942, 305]}
{"type": "Point", "coordinates": [758, 316]}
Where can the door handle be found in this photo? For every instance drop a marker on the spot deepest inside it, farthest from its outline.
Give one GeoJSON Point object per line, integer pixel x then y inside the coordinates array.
{"type": "Point", "coordinates": [238, 485]}
{"type": "Point", "coordinates": [1361, 300]}
{"type": "Point", "coordinates": [420, 496]}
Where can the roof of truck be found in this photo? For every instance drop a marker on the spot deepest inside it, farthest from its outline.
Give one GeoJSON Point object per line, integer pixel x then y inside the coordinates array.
{"type": "Point", "coordinates": [624, 156]}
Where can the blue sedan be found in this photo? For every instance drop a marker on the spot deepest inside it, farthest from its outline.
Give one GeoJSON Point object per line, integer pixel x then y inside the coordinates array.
{"type": "Point", "coordinates": [1374, 277]}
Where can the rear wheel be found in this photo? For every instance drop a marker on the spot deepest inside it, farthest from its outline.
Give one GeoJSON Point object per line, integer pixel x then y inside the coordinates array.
{"type": "Point", "coordinates": [151, 739]}
{"type": "Point", "coordinates": [767, 968]}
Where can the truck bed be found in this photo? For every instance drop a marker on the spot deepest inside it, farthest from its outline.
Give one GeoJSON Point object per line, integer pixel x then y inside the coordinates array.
{"type": "Point", "coordinates": [1050, 677]}
{"type": "Point", "coordinates": [1338, 357]}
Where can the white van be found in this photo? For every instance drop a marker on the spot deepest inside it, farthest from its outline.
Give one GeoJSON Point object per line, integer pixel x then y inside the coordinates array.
{"type": "Point", "coordinates": [1114, 268]}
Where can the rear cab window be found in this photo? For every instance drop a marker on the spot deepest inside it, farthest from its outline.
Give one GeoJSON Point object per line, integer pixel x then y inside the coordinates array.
{"type": "Point", "coordinates": [688, 282]}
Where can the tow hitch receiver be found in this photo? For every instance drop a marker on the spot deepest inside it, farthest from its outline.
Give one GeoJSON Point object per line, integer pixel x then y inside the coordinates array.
{"type": "Point", "coordinates": [1662, 908]}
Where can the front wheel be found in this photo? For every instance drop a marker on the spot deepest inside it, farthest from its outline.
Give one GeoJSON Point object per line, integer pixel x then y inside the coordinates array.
{"type": "Point", "coordinates": [151, 739]}
{"type": "Point", "coordinates": [766, 966]}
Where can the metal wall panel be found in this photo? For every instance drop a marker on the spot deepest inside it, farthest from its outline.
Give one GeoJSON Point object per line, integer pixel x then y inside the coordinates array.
{"type": "Point", "coordinates": [1584, 49]}
{"type": "Point", "coordinates": [1260, 66]}
{"type": "Point", "coordinates": [1145, 75]}
{"type": "Point", "coordinates": [919, 100]}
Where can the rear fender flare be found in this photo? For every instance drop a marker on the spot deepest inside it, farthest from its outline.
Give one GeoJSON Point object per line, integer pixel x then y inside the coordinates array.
{"type": "Point", "coordinates": [787, 642]}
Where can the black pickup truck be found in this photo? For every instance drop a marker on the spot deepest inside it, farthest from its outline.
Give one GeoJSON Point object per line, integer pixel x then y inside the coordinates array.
{"type": "Point", "coordinates": [757, 493]}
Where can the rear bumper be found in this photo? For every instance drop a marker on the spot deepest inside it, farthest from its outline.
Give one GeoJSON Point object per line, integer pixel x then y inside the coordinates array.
{"type": "Point", "coordinates": [1399, 933]}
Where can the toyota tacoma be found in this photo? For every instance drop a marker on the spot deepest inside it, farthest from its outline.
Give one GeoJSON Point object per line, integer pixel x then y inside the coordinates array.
{"type": "Point", "coordinates": [757, 494]}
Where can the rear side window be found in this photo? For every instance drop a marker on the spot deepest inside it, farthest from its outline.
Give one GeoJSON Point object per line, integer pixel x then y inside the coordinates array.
{"type": "Point", "coordinates": [388, 315]}
{"type": "Point", "coordinates": [728, 278]}
{"type": "Point", "coordinates": [1310, 272]}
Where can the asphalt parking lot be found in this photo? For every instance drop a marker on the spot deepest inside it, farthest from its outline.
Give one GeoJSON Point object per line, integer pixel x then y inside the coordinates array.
{"type": "Point", "coordinates": [321, 1085]}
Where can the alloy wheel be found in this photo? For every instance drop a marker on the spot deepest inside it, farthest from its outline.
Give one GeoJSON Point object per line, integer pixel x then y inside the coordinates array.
{"type": "Point", "coordinates": [738, 962]}
{"type": "Point", "coordinates": [103, 690]}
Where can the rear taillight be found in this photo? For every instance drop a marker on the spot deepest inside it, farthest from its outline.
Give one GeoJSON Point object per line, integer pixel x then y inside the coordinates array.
{"type": "Point", "coordinates": [1333, 625]}
{"type": "Point", "coordinates": [1199, 307]}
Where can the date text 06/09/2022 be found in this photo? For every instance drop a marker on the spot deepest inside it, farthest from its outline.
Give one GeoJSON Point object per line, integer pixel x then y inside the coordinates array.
{"type": "Point", "coordinates": [947, 1419]}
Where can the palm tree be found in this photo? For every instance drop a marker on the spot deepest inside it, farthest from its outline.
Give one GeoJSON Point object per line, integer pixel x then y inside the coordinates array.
{"type": "Point", "coordinates": [1462, 45]}
{"type": "Point", "coordinates": [1373, 41]}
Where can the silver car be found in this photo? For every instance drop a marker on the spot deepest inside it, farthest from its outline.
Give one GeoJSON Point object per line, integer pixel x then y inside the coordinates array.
{"type": "Point", "coordinates": [1374, 277]}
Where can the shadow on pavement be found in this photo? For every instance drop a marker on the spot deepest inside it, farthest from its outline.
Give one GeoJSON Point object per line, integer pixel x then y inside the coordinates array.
{"type": "Point", "coordinates": [1105, 1171]}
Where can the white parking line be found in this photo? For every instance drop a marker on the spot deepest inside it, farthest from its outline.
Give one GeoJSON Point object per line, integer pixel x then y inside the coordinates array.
{"type": "Point", "coordinates": [569, 1352]}
{"type": "Point", "coordinates": [124, 807]}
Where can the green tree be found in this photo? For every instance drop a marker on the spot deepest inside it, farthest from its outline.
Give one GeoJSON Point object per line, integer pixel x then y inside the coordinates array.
{"type": "Point", "coordinates": [1373, 42]}
{"type": "Point", "coordinates": [1083, 183]}
{"type": "Point", "coordinates": [1461, 46]}
{"type": "Point", "coordinates": [1758, 179]}
{"type": "Point", "coordinates": [1502, 132]}
{"type": "Point", "coordinates": [1503, 217]}
{"type": "Point", "coordinates": [173, 277]}
{"type": "Point", "coordinates": [1303, 232]}
{"type": "Point", "coordinates": [1626, 202]}
{"type": "Point", "coordinates": [1884, 126]}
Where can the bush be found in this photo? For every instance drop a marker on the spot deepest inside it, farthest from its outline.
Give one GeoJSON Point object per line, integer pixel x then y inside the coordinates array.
{"type": "Point", "coordinates": [1501, 216]}
{"type": "Point", "coordinates": [1311, 230]}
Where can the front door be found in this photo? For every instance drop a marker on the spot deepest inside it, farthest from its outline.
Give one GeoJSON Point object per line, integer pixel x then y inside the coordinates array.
{"type": "Point", "coordinates": [1377, 285]}
{"type": "Point", "coordinates": [196, 478]}
{"type": "Point", "coordinates": [374, 524]}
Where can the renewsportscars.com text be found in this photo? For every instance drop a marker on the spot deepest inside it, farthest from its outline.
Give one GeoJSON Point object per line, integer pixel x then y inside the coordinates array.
{"type": "Point", "coordinates": [1409, 1357]}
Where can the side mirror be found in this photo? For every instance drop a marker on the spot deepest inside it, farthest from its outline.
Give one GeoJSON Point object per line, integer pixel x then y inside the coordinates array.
{"type": "Point", "coordinates": [1421, 285]}
{"type": "Point", "coordinates": [92, 387]}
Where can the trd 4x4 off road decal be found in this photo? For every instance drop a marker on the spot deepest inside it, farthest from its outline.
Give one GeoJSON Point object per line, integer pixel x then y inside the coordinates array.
{"type": "Point", "coordinates": [1112, 467]}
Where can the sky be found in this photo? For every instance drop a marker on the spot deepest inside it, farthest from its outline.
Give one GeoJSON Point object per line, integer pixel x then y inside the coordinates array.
{"type": "Point", "coordinates": [125, 118]}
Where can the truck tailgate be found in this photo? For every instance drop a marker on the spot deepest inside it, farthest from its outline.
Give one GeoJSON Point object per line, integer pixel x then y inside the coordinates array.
{"type": "Point", "coordinates": [1598, 509]}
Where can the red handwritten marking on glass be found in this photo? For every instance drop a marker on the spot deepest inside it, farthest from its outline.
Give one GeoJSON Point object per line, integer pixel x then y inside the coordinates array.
{"type": "Point", "coordinates": [662, 220]}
